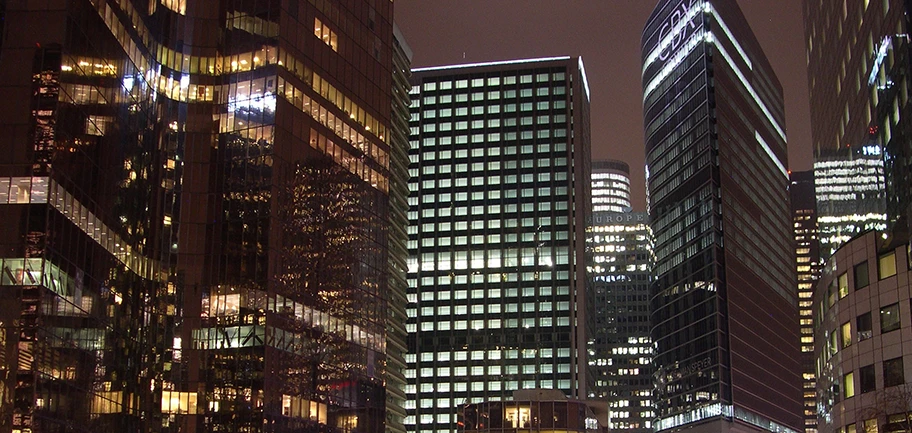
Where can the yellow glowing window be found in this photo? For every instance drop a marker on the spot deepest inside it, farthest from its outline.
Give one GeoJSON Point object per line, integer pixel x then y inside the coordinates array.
{"type": "Point", "coordinates": [843, 285]}
{"type": "Point", "coordinates": [107, 402]}
{"type": "Point", "coordinates": [517, 416]}
{"type": "Point", "coordinates": [329, 37]}
{"type": "Point", "coordinates": [887, 265]}
{"type": "Point", "coordinates": [298, 407]}
{"type": "Point", "coordinates": [849, 383]}
{"type": "Point", "coordinates": [178, 402]}
{"type": "Point", "coordinates": [846, 334]}
{"type": "Point", "coordinates": [179, 6]}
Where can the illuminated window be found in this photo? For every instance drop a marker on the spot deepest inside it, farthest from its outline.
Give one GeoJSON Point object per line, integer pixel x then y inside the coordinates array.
{"type": "Point", "coordinates": [178, 402]}
{"type": "Point", "coordinates": [329, 37]}
{"type": "Point", "coordinates": [846, 334]}
{"type": "Point", "coordinates": [843, 285]}
{"type": "Point", "coordinates": [886, 265]}
{"type": "Point", "coordinates": [179, 6]}
{"type": "Point", "coordinates": [849, 385]}
{"type": "Point", "coordinates": [347, 423]}
{"type": "Point", "coordinates": [107, 402]}
{"type": "Point", "coordinates": [517, 416]}
{"type": "Point", "coordinates": [222, 305]}
{"type": "Point", "coordinates": [298, 407]}
{"type": "Point", "coordinates": [96, 125]}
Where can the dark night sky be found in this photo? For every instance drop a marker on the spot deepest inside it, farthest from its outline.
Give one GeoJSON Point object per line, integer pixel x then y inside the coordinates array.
{"type": "Point", "coordinates": [606, 33]}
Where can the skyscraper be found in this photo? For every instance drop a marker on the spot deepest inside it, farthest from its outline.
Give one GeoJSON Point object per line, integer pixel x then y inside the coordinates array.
{"type": "Point", "coordinates": [858, 69]}
{"type": "Point", "coordinates": [724, 303]}
{"type": "Point", "coordinates": [850, 193]}
{"type": "Point", "coordinates": [499, 205]}
{"type": "Point", "coordinates": [610, 186]}
{"type": "Point", "coordinates": [397, 348]}
{"type": "Point", "coordinates": [807, 255]}
{"type": "Point", "coordinates": [196, 207]}
{"type": "Point", "coordinates": [620, 343]}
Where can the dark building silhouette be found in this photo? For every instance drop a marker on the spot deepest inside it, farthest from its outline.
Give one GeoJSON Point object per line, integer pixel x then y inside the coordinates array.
{"type": "Point", "coordinates": [807, 256]}
{"type": "Point", "coordinates": [197, 216]}
{"type": "Point", "coordinates": [724, 302]}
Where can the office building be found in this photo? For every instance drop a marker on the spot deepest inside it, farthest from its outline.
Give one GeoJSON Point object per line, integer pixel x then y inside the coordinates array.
{"type": "Point", "coordinates": [610, 186]}
{"type": "Point", "coordinates": [863, 328]}
{"type": "Point", "coordinates": [717, 183]}
{"type": "Point", "coordinates": [850, 193]}
{"type": "Point", "coordinates": [197, 216]}
{"type": "Point", "coordinates": [621, 348]}
{"type": "Point", "coordinates": [396, 348]}
{"type": "Point", "coordinates": [534, 410]}
{"type": "Point", "coordinates": [858, 70]}
{"type": "Point", "coordinates": [807, 258]}
{"type": "Point", "coordinates": [499, 205]}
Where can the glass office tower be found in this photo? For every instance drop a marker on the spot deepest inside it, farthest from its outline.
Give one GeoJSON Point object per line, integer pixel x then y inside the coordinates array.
{"type": "Point", "coordinates": [610, 186]}
{"type": "Point", "coordinates": [499, 205]}
{"type": "Point", "coordinates": [196, 215]}
{"type": "Point", "coordinates": [807, 256]}
{"type": "Point", "coordinates": [621, 347]}
{"type": "Point", "coordinates": [724, 303]}
{"type": "Point", "coordinates": [859, 68]}
{"type": "Point", "coordinates": [850, 193]}
{"type": "Point", "coordinates": [396, 348]}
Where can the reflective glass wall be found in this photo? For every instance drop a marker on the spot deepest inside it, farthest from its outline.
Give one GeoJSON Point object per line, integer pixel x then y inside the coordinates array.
{"type": "Point", "coordinates": [717, 171]}
{"type": "Point", "coordinates": [197, 215]}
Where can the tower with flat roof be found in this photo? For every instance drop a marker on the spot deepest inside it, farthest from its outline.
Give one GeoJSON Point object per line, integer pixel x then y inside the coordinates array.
{"type": "Point", "coordinates": [498, 209]}
{"type": "Point", "coordinates": [724, 301]}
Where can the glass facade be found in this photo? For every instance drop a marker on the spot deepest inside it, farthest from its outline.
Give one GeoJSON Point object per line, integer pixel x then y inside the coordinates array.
{"type": "Point", "coordinates": [621, 345]}
{"type": "Point", "coordinates": [396, 341]}
{"type": "Point", "coordinates": [850, 193]}
{"type": "Point", "coordinates": [718, 201]}
{"type": "Point", "coordinates": [196, 198]}
{"type": "Point", "coordinates": [560, 416]}
{"type": "Point", "coordinates": [866, 103]}
{"type": "Point", "coordinates": [499, 181]}
{"type": "Point", "coordinates": [808, 264]}
{"type": "Point", "coordinates": [610, 186]}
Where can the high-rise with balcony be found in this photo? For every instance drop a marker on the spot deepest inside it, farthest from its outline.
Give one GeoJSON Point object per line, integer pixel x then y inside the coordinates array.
{"type": "Point", "coordinates": [195, 197]}
{"type": "Point", "coordinates": [499, 204]}
{"type": "Point", "coordinates": [620, 344]}
{"type": "Point", "coordinates": [724, 302]}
